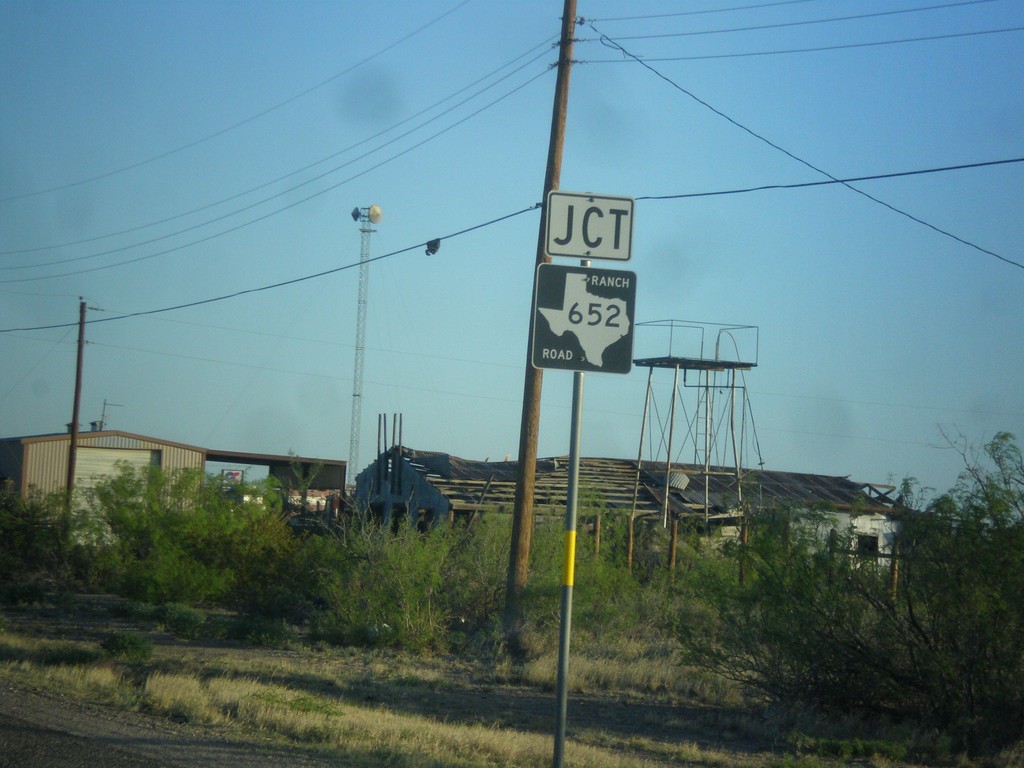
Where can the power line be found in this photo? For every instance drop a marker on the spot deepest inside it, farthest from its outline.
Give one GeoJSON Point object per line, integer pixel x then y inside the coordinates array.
{"type": "Point", "coordinates": [846, 437]}
{"type": "Point", "coordinates": [305, 183]}
{"type": "Point", "coordinates": [756, 6]}
{"type": "Point", "coordinates": [304, 372]}
{"type": "Point", "coordinates": [799, 185]}
{"type": "Point", "coordinates": [240, 123]}
{"type": "Point", "coordinates": [545, 44]}
{"type": "Point", "coordinates": [235, 331]}
{"type": "Point", "coordinates": [802, 23]}
{"type": "Point", "coordinates": [280, 284]}
{"type": "Point", "coordinates": [31, 369]}
{"type": "Point", "coordinates": [612, 43]}
{"type": "Point", "coordinates": [815, 49]}
{"type": "Point", "coordinates": [476, 362]}
{"type": "Point", "coordinates": [271, 213]}
{"type": "Point", "coordinates": [679, 196]}
{"type": "Point", "coordinates": [899, 406]}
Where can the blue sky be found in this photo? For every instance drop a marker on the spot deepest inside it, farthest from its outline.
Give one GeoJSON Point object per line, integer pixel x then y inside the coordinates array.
{"type": "Point", "coordinates": [154, 155]}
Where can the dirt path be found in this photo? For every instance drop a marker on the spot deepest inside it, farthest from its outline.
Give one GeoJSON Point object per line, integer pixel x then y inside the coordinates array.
{"type": "Point", "coordinates": [42, 729]}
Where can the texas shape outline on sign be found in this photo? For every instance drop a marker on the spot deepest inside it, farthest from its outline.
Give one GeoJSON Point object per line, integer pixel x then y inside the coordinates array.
{"type": "Point", "coordinates": [584, 319]}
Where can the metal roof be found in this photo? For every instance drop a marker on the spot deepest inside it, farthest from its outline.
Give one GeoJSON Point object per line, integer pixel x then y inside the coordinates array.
{"type": "Point", "coordinates": [693, 364]}
{"type": "Point", "coordinates": [331, 476]}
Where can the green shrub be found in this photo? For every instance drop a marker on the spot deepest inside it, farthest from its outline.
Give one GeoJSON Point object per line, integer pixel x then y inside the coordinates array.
{"type": "Point", "coordinates": [850, 748]}
{"type": "Point", "coordinates": [181, 620]}
{"type": "Point", "coordinates": [473, 590]}
{"type": "Point", "coordinates": [818, 627]}
{"type": "Point", "coordinates": [407, 588]}
{"type": "Point", "coordinates": [132, 609]}
{"type": "Point", "coordinates": [128, 646]}
{"type": "Point", "coordinates": [384, 595]}
{"type": "Point", "coordinates": [177, 538]}
{"type": "Point", "coordinates": [67, 653]}
{"type": "Point", "coordinates": [261, 631]}
{"type": "Point", "coordinates": [34, 536]}
{"type": "Point", "coordinates": [22, 593]}
{"type": "Point", "coordinates": [799, 762]}
{"type": "Point", "coordinates": [65, 599]}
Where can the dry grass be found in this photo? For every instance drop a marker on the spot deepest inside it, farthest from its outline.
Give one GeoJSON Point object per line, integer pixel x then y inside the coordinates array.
{"type": "Point", "coordinates": [15, 647]}
{"type": "Point", "coordinates": [180, 696]}
{"type": "Point", "coordinates": [244, 692]}
{"type": "Point", "coordinates": [324, 721]}
{"type": "Point", "coordinates": [333, 699]}
{"type": "Point", "coordinates": [638, 669]}
{"type": "Point", "coordinates": [98, 683]}
{"type": "Point", "coordinates": [98, 679]}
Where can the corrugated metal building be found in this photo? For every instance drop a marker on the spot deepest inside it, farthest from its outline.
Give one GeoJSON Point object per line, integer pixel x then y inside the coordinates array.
{"type": "Point", "coordinates": [39, 463]}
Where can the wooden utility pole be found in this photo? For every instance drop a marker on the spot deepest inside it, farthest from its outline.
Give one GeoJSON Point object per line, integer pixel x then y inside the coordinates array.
{"type": "Point", "coordinates": [894, 570]}
{"type": "Point", "coordinates": [744, 541]}
{"type": "Point", "coordinates": [673, 543]}
{"type": "Point", "coordinates": [73, 444]}
{"type": "Point", "coordinates": [522, 513]}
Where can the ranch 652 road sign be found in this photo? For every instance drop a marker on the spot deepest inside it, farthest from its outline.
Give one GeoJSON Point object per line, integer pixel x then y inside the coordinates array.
{"type": "Point", "coordinates": [583, 319]}
{"type": "Point", "coordinates": [585, 226]}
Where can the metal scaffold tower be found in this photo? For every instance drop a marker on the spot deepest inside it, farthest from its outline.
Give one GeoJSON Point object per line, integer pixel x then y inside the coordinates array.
{"type": "Point", "coordinates": [714, 360]}
{"type": "Point", "coordinates": [366, 218]}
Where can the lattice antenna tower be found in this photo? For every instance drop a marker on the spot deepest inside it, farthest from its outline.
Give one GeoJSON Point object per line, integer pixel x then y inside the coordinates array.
{"type": "Point", "coordinates": [366, 218]}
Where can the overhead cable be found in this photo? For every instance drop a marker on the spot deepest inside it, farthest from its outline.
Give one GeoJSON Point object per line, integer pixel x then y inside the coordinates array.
{"type": "Point", "coordinates": [271, 286]}
{"type": "Point", "coordinates": [525, 210]}
{"type": "Point", "coordinates": [240, 123]}
{"type": "Point", "coordinates": [802, 23]}
{"type": "Point", "coordinates": [815, 49]}
{"type": "Point", "coordinates": [309, 166]}
{"type": "Point", "coordinates": [756, 6]}
{"type": "Point", "coordinates": [613, 44]}
{"type": "Point", "coordinates": [800, 184]}
{"type": "Point", "coordinates": [269, 214]}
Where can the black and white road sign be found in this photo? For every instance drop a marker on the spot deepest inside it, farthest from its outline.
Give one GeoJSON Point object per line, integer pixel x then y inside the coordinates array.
{"type": "Point", "coordinates": [583, 319]}
{"type": "Point", "coordinates": [586, 226]}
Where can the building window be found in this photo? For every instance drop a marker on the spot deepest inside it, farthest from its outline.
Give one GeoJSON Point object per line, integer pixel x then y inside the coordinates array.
{"type": "Point", "coordinates": [867, 544]}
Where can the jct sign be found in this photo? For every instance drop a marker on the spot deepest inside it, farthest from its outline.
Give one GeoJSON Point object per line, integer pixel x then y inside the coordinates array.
{"type": "Point", "coordinates": [584, 226]}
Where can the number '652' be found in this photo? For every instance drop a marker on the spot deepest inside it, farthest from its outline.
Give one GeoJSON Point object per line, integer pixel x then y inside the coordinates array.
{"type": "Point", "coordinates": [596, 314]}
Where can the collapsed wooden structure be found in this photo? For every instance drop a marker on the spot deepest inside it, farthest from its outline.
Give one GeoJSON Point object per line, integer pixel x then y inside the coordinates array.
{"type": "Point", "coordinates": [426, 487]}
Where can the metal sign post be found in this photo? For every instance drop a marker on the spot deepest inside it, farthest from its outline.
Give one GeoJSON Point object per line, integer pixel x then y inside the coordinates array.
{"type": "Point", "coordinates": [568, 568]}
{"type": "Point", "coordinates": [582, 321]}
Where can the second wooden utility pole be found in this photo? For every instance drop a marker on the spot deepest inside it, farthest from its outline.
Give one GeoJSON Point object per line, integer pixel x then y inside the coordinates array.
{"type": "Point", "coordinates": [76, 408]}
{"type": "Point", "coordinates": [522, 513]}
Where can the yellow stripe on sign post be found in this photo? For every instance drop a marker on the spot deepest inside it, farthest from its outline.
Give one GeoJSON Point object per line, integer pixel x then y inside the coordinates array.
{"type": "Point", "coordinates": [569, 563]}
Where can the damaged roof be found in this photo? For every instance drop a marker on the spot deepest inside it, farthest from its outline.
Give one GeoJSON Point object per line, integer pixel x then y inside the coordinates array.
{"type": "Point", "coordinates": [472, 485]}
